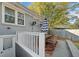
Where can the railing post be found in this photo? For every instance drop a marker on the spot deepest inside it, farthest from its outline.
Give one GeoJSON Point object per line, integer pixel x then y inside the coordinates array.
{"type": "Point", "coordinates": [42, 44]}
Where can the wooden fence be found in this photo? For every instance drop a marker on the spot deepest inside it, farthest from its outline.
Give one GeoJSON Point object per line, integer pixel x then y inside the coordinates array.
{"type": "Point", "coordinates": [72, 34]}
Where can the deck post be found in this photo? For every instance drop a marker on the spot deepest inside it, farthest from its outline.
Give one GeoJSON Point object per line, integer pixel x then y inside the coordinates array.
{"type": "Point", "coordinates": [42, 44]}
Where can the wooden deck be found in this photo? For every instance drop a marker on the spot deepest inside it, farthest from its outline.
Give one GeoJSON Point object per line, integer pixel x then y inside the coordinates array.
{"type": "Point", "coordinates": [61, 50]}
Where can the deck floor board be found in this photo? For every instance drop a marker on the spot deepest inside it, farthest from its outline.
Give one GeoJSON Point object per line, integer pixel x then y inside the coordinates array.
{"type": "Point", "coordinates": [61, 50]}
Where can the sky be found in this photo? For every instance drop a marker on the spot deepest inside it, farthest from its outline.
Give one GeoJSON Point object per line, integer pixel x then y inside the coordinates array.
{"type": "Point", "coordinates": [26, 3]}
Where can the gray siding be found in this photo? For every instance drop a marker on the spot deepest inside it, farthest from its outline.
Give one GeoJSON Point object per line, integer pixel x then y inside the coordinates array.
{"type": "Point", "coordinates": [14, 28]}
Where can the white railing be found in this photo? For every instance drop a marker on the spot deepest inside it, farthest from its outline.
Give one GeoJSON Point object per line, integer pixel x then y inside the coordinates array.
{"type": "Point", "coordinates": [33, 42]}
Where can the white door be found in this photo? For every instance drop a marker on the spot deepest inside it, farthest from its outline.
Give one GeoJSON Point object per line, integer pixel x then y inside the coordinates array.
{"type": "Point", "coordinates": [8, 47]}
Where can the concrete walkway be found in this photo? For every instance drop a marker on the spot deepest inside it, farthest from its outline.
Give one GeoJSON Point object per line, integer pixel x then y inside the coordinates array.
{"type": "Point", "coordinates": [61, 50]}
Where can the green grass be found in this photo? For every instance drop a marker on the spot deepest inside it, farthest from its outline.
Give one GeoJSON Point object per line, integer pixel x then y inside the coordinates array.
{"type": "Point", "coordinates": [77, 46]}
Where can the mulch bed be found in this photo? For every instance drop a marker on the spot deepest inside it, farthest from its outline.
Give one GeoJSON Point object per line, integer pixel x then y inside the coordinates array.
{"type": "Point", "coordinates": [51, 43]}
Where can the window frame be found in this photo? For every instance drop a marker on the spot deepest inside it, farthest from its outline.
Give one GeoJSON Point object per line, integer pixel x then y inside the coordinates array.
{"type": "Point", "coordinates": [16, 16]}
{"type": "Point", "coordinates": [9, 16]}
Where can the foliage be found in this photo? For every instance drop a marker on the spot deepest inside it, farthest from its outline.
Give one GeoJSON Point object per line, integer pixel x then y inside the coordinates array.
{"type": "Point", "coordinates": [55, 12]}
{"type": "Point", "coordinates": [76, 24]}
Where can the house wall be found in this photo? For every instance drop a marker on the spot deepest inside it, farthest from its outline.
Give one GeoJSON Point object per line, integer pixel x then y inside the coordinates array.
{"type": "Point", "coordinates": [15, 28]}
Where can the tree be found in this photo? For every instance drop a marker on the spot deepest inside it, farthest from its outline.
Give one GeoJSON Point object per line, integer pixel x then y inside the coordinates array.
{"type": "Point", "coordinates": [76, 24]}
{"type": "Point", "coordinates": [55, 12]}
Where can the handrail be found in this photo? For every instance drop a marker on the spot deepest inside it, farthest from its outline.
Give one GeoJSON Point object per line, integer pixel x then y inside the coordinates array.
{"type": "Point", "coordinates": [2, 36]}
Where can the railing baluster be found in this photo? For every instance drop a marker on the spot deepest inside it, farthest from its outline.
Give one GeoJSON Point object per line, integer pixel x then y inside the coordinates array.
{"type": "Point", "coordinates": [36, 44]}
{"type": "Point", "coordinates": [33, 43]}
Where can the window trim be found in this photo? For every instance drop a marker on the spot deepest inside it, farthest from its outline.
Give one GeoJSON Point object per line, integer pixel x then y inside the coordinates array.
{"type": "Point", "coordinates": [9, 15]}
{"type": "Point", "coordinates": [3, 15]}
{"type": "Point", "coordinates": [16, 16]}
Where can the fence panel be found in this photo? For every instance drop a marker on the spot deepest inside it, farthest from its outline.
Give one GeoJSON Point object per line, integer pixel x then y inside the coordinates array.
{"type": "Point", "coordinates": [72, 34]}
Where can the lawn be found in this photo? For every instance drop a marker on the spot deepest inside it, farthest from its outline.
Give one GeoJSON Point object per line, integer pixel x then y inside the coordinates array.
{"type": "Point", "coordinates": [76, 44]}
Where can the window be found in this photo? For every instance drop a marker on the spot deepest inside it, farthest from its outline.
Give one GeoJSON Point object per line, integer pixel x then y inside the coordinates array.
{"type": "Point", "coordinates": [20, 18]}
{"type": "Point", "coordinates": [12, 16]}
{"type": "Point", "coordinates": [9, 15]}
